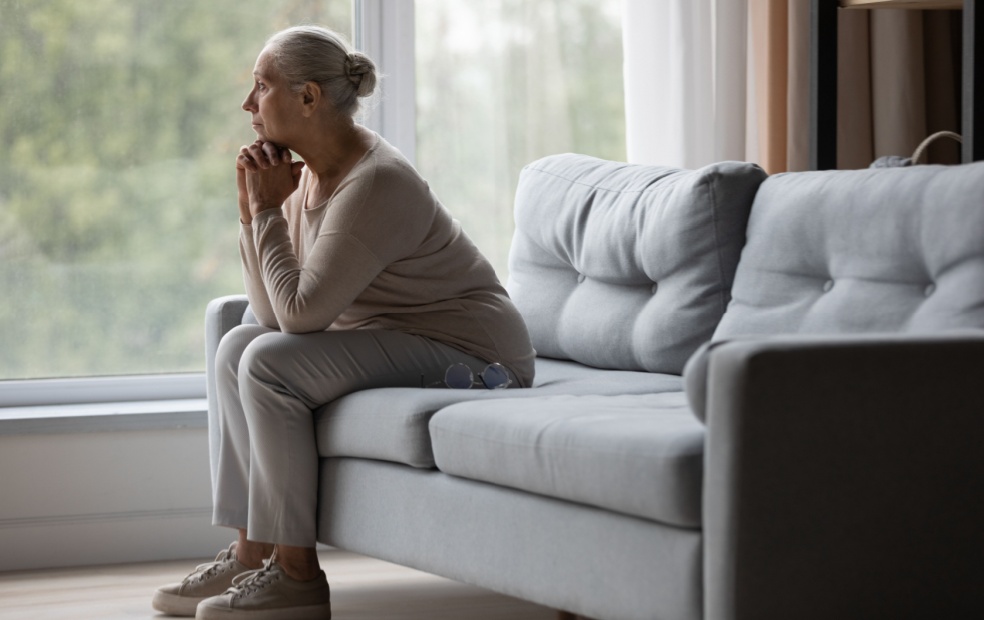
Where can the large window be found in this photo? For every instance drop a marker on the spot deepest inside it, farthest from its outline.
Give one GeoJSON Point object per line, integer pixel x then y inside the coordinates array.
{"type": "Point", "coordinates": [503, 82]}
{"type": "Point", "coordinates": [119, 121]}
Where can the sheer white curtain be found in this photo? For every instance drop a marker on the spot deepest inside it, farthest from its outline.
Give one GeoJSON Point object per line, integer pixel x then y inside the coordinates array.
{"type": "Point", "coordinates": [685, 81]}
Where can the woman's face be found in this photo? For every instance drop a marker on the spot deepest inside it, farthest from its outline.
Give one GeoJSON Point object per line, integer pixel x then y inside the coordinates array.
{"type": "Point", "coordinates": [271, 103]}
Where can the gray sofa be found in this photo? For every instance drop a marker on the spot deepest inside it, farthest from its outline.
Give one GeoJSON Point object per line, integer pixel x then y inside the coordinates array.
{"type": "Point", "coordinates": [822, 456]}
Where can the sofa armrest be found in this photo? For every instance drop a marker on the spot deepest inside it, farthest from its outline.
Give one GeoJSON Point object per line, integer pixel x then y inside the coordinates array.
{"type": "Point", "coordinates": [845, 478]}
{"type": "Point", "coordinates": [221, 315]}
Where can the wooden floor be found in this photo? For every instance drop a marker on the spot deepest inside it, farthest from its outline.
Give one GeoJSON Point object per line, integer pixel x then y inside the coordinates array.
{"type": "Point", "coordinates": [361, 588]}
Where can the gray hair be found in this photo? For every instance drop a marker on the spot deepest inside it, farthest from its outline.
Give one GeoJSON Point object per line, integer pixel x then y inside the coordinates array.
{"type": "Point", "coordinates": [305, 54]}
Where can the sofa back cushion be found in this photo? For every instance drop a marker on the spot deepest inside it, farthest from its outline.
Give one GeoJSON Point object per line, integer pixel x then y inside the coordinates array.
{"type": "Point", "coordinates": [626, 266]}
{"type": "Point", "coordinates": [879, 250]}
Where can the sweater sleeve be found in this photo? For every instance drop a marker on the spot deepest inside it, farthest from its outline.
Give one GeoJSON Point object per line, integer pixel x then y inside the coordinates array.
{"type": "Point", "coordinates": [259, 299]}
{"type": "Point", "coordinates": [309, 298]}
{"type": "Point", "coordinates": [378, 215]}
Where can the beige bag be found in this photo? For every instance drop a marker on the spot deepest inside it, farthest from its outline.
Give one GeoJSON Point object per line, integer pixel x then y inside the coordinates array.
{"type": "Point", "coordinates": [894, 161]}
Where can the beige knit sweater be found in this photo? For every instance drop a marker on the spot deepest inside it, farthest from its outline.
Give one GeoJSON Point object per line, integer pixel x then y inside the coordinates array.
{"type": "Point", "coordinates": [382, 253]}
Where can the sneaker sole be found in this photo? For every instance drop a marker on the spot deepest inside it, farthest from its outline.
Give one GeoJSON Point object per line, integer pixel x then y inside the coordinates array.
{"type": "Point", "coordinates": [308, 612]}
{"type": "Point", "coordinates": [176, 605]}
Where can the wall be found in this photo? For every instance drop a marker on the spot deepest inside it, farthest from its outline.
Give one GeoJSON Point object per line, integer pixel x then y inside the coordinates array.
{"type": "Point", "coordinates": [117, 491]}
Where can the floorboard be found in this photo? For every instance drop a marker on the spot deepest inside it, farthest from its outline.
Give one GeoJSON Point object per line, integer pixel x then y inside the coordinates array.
{"type": "Point", "coordinates": [362, 588]}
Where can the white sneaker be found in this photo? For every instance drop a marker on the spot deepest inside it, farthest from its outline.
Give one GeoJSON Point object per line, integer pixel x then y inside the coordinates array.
{"type": "Point", "coordinates": [269, 593]}
{"type": "Point", "coordinates": [209, 579]}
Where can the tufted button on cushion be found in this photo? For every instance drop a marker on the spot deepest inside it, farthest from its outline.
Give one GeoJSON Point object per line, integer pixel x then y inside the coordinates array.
{"type": "Point", "coordinates": [829, 284]}
{"type": "Point", "coordinates": [592, 237]}
{"type": "Point", "coordinates": [881, 235]}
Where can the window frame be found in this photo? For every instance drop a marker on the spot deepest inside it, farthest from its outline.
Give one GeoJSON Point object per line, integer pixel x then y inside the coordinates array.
{"type": "Point", "coordinates": [384, 31]}
{"type": "Point", "coordinates": [107, 389]}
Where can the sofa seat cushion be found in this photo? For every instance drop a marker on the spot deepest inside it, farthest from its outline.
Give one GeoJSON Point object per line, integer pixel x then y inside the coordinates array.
{"type": "Point", "coordinates": [390, 424]}
{"type": "Point", "coordinates": [639, 454]}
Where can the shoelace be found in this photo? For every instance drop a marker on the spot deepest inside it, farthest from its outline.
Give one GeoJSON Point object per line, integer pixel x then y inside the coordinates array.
{"type": "Point", "coordinates": [208, 568]}
{"type": "Point", "coordinates": [254, 580]}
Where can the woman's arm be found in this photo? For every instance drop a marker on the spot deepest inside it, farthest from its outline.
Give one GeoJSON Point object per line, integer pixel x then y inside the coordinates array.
{"type": "Point", "coordinates": [309, 298]}
{"type": "Point", "coordinates": [259, 298]}
{"type": "Point", "coordinates": [379, 215]}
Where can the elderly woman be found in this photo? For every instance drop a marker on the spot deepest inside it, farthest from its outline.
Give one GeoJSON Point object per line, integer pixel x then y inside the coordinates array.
{"type": "Point", "coordinates": [359, 278]}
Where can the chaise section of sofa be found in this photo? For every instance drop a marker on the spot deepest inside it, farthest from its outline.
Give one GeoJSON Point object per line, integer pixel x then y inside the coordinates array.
{"type": "Point", "coordinates": [843, 477]}
{"type": "Point", "coordinates": [841, 396]}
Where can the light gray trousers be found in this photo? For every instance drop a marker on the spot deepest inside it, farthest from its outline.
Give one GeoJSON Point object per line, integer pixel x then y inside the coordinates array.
{"type": "Point", "coordinates": [267, 385]}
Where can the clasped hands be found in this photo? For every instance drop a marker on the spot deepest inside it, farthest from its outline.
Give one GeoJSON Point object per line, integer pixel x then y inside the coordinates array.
{"type": "Point", "coordinates": [266, 175]}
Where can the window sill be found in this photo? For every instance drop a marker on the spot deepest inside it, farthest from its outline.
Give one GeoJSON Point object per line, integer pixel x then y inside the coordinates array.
{"type": "Point", "coordinates": [105, 417]}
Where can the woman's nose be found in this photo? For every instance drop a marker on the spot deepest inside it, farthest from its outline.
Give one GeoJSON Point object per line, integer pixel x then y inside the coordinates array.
{"type": "Point", "coordinates": [248, 102]}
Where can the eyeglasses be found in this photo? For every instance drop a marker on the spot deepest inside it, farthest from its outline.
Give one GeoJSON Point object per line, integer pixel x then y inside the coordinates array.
{"type": "Point", "coordinates": [461, 377]}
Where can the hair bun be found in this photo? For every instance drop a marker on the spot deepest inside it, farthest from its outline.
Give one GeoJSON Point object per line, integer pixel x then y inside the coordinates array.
{"type": "Point", "coordinates": [361, 71]}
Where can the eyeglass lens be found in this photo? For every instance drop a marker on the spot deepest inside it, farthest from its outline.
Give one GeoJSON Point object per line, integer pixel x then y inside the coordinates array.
{"type": "Point", "coordinates": [460, 377]}
{"type": "Point", "coordinates": [495, 376]}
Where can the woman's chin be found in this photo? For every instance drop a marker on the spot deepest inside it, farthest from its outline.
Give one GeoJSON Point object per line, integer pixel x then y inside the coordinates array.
{"type": "Point", "coordinates": [262, 137]}
{"type": "Point", "coordinates": [260, 133]}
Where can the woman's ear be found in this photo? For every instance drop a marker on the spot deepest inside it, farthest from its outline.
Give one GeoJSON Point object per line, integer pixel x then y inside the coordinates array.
{"type": "Point", "coordinates": [310, 98]}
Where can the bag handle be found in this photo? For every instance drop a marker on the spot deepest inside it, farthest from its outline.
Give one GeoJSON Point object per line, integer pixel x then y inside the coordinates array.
{"type": "Point", "coordinates": [918, 153]}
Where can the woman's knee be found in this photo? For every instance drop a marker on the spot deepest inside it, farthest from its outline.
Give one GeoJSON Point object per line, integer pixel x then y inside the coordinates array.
{"type": "Point", "coordinates": [294, 366]}
{"type": "Point", "coordinates": [233, 344]}
{"type": "Point", "coordinates": [271, 376]}
{"type": "Point", "coordinates": [264, 357]}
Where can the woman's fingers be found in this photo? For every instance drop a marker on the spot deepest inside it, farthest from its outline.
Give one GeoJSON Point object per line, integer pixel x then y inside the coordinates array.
{"type": "Point", "coordinates": [245, 160]}
{"type": "Point", "coordinates": [271, 151]}
{"type": "Point", "coordinates": [255, 152]}
{"type": "Point", "coordinates": [261, 155]}
{"type": "Point", "coordinates": [270, 185]}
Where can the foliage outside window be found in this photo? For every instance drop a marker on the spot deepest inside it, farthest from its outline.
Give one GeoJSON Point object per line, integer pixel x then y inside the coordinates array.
{"type": "Point", "coordinates": [120, 121]}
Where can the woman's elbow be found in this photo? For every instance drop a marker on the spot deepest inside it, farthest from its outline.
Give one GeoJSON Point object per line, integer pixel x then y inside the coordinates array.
{"type": "Point", "coordinates": [301, 325]}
